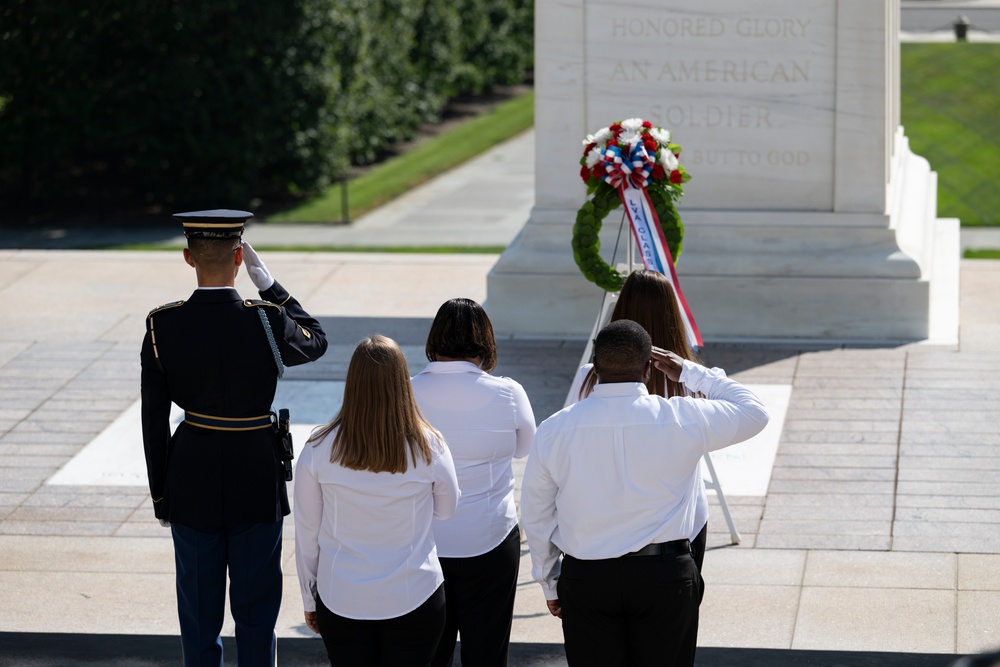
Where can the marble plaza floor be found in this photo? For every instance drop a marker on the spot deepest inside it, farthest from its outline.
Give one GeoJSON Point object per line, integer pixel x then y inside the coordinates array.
{"type": "Point", "coordinates": [869, 535]}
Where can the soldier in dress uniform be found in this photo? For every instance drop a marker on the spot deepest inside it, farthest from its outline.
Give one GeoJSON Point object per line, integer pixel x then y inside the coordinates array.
{"type": "Point", "coordinates": [218, 480]}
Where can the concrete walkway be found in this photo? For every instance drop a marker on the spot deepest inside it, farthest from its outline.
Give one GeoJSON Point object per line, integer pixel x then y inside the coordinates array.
{"type": "Point", "coordinates": [875, 541]}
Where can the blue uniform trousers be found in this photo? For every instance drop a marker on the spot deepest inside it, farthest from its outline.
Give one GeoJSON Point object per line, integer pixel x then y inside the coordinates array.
{"type": "Point", "coordinates": [252, 555]}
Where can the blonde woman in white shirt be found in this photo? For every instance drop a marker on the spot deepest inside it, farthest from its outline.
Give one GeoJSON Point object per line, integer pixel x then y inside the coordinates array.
{"type": "Point", "coordinates": [487, 421]}
{"type": "Point", "coordinates": [367, 488]}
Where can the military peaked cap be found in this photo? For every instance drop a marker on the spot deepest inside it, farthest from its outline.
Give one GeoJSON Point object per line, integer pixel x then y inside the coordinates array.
{"type": "Point", "coordinates": [218, 223]}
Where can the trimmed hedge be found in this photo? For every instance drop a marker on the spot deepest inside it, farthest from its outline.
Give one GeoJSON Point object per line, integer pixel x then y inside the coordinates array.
{"type": "Point", "coordinates": [228, 102]}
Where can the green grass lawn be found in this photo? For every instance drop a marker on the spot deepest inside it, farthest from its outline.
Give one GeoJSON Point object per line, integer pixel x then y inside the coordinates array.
{"type": "Point", "coordinates": [981, 254]}
{"type": "Point", "coordinates": [395, 176]}
{"type": "Point", "coordinates": [951, 114]}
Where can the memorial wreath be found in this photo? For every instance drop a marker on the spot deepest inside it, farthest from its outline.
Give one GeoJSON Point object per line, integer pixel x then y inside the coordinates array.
{"type": "Point", "coordinates": [628, 155]}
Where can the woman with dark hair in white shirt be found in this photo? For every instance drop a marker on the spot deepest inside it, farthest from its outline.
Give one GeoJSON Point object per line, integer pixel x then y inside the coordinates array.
{"type": "Point", "coordinates": [487, 421]}
{"type": "Point", "coordinates": [367, 488]}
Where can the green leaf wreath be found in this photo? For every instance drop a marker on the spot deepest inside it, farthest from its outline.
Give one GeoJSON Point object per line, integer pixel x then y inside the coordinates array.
{"type": "Point", "coordinates": [661, 174]}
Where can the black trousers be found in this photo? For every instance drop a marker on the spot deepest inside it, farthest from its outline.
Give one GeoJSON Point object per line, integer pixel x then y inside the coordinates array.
{"type": "Point", "coordinates": [480, 601]}
{"type": "Point", "coordinates": [406, 641]}
{"type": "Point", "coordinates": [689, 645]}
{"type": "Point", "coordinates": [698, 546]}
{"type": "Point", "coordinates": [630, 611]}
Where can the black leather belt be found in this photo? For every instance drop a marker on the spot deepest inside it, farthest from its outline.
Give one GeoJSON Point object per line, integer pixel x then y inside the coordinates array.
{"type": "Point", "coordinates": [228, 423]}
{"type": "Point", "coordinates": [674, 548]}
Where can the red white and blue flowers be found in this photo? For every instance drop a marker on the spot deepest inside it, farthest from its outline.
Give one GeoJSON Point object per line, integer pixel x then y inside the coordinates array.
{"type": "Point", "coordinates": [632, 153]}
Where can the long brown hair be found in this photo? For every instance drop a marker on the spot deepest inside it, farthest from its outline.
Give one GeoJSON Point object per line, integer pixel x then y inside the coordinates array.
{"type": "Point", "coordinates": [647, 297]}
{"type": "Point", "coordinates": [379, 420]}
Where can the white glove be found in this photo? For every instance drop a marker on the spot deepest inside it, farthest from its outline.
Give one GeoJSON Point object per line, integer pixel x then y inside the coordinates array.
{"type": "Point", "coordinates": [164, 523]}
{"type": "Point", "coordinates": [258, 273]}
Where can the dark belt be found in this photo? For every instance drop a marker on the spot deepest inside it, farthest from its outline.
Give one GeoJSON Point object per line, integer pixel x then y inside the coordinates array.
{"type": "Point", "coordinates": [228, 423]}
{"type": "Point", "coordinates": [674, 548]}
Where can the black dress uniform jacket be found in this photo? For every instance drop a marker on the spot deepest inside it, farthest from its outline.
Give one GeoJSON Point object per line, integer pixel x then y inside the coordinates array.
{"type": "Point", "coordinates": [211, 355]}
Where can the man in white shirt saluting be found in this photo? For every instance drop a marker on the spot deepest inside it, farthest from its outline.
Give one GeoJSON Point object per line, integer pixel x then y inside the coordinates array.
{"type": "Point", "coordinates": [610, 485]}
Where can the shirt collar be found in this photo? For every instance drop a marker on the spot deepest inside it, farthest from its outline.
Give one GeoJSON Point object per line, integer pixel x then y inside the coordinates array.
{"type": "Point", "coordinates": [215, 295]}
{"type": "Point", "coordinates": [451, 367]}
{"type": "Point", "coordinates": [620, 389]}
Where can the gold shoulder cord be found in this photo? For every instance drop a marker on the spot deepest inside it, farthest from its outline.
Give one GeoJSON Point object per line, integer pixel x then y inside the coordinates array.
{"type": "Point", "coordinates": [156, 351]}
{"type": "Point", "coordinates": [253, 304]}
{"type": "Point", "coordinates": [152, 332]}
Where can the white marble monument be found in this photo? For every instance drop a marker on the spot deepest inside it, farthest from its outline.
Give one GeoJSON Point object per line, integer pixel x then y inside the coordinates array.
{"type": "Point", "coordinates": [807, 215]}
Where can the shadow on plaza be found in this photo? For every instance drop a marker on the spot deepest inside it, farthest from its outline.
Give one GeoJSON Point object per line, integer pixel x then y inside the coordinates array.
{"type": "Point", "coordinates": [545, 367]}
{"type": "Point", "coordinates": [76, 650]}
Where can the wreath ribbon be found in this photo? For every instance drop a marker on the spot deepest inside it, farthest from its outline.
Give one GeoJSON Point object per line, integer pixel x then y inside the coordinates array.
{"type": "Point", "coordinates": [655, 252]}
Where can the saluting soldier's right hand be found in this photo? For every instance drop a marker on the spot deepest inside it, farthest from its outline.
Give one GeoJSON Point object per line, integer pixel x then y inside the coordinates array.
{"type": "Point", "coordinates": [668, 363]}
{"type": "Point", "coordinates": [258, 273]}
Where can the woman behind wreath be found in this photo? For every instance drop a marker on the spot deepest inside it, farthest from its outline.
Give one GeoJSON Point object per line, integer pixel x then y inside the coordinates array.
{"type": "Point", "coordinates": [488, 422]}
{"type": "Point", "coordinates": [367, 487]}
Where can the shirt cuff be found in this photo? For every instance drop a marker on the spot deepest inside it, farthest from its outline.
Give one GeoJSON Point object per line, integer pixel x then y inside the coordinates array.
{"type": "Point", "coordinates": [309, 600]}
{"type": "Point", "coordinates": [696, 377]}
{"type": "Point", "coordinates": [689, 372]}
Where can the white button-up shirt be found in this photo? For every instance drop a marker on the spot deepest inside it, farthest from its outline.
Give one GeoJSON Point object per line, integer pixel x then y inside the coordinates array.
{"type": "Point", "coordinates": [363, 540]}
{"type": "Point", "coordinates": [487, 422]}
{"type": "Point", "coordinates": [618, 470]}
{"type": "Point", "coordinates": [701, 505]}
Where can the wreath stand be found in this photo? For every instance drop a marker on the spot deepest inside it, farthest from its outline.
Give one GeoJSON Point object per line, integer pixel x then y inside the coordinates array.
{"type": "Point", "coordinates": [603, 317]}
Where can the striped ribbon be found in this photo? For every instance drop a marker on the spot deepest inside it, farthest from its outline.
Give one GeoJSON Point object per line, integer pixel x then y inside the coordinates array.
{"type": "Point", "coordinates": [630, 169]}
{"type": "Point", "coordinates": [655, 251]}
